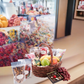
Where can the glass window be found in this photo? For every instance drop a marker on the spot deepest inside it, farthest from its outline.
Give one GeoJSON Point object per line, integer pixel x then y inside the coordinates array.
{"type": "Point", "coordinates": [51, 4]}
{"type": "Point", "coordinates": [6, 0]}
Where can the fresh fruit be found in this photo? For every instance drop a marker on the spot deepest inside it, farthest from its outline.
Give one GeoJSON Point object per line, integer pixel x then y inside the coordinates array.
{"type": "Point", "coordinates": [14, 21]}
{"type": "Point", "coordinates": [64, 73]}
{"type": "Point", "coordinates": [55, 58]}
{"type": "Point", "coordinates": [45, 62]}
{"type": "Point", "coordinates": [2, 17]}
{"type": "Point", "coordinates": [3, 21]}
{"type": "Point", "coordinates": [1, 24]}
{"type": "Point", "coordinates": [54, 61]}
{"type": "Point", "coordinates": [48, 57]}
{"type": "Point", "coordinates": [45, 56]}
{"type": "Point", "coordinates": [21, 18]}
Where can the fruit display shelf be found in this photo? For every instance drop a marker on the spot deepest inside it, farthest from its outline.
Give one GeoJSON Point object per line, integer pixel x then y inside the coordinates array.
{"type": "Point", "coordinates": [9, 28]}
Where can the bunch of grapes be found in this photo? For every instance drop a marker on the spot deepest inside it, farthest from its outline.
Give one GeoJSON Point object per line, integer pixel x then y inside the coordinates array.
{"type": "Point", "coordinates": [3, 38]}
{"type": "Point", "coordinates": [64, 73]}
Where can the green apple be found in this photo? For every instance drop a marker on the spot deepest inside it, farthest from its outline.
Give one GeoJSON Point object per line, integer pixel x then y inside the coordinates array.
{"type": "Point", "coordinates": [45, 62]}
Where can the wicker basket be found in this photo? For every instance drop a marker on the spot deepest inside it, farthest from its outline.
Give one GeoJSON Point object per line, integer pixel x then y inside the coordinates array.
{"type": "Point", "coordinates": [42, 71]}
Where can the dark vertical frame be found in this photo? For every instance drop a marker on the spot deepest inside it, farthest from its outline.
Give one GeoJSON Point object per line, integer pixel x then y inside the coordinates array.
{"type": "Point", "coordinates": [70, 14]}
{"type": "Point", "coordinates": [69, 17]}
{"type": "Point", "coordinates": [56, 17]}
{"type": "Point", "coordinates": [74, 4]}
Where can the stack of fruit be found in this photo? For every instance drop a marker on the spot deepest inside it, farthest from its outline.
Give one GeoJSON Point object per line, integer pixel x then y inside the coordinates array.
{"type": "Point", "coordinates": [46, 61]}
{"type": "Point", "coordinates": [14, 21]}
{"type": "Point", "coordinates": [3, 21]}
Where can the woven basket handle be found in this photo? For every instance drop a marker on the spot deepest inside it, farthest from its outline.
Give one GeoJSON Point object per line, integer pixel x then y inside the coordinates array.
{"type": "Point", "coordinates": [49, 50]}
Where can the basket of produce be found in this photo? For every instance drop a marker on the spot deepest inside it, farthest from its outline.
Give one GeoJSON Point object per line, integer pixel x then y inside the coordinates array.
{"type": "Point", "coordinates": [47, 64]}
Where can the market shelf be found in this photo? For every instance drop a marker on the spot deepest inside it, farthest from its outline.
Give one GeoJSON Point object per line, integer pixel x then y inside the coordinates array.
{"type": "Point", "coordinates": [79, 9]}
{"type": "Point", "coordinates": [79, 17]}
{"type": "Point", "coordinates": [77, 14]}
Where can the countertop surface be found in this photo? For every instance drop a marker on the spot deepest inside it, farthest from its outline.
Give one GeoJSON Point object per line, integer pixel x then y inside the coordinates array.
{"type": "Point", "coordinates": [74, 45]}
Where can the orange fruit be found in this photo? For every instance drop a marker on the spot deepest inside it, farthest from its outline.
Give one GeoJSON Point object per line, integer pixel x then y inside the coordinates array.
{"type": "Point", "coordinates": [54, 61]}
{"type": "Point", "coordinates": [2, 17]}
{"type": "Point", "coordinates": [5, 23]}
{"type": "Point", "coordinates": [1, 25]}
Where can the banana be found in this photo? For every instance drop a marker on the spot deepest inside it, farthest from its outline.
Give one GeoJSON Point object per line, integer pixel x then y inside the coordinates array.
{"type": "Point", "coordinates": [56, 58]}
{"type": "Point", "coordinates": [49, 57]}
{"type": "Point", "coordinates": [45, 56]}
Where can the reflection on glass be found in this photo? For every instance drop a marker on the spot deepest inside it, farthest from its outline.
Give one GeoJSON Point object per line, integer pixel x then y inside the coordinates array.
{"type": "Point", "coordinates": [6, 0]}
{"type": "Point", "coordinates": [50, 4]}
